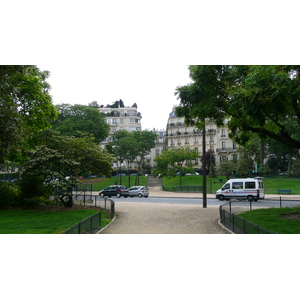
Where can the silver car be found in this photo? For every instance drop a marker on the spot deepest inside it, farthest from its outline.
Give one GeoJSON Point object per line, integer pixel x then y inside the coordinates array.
{"type": "Point", "coordinates": [138, 191]}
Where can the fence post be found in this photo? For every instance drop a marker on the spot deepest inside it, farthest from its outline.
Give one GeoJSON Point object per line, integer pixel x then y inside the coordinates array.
{"type": "Point", "coordinates": [79, 229]}
{"type": "Point", "coordinates": [280, 201]}
{"type": "Point", "coordinates": [233, 222]}
{"type": "Point", "coordinates": [230, 206]}
{"type": "Point", "coordinates": [100, 219]}
{"type": "Point", "coordinates": [91, 225]}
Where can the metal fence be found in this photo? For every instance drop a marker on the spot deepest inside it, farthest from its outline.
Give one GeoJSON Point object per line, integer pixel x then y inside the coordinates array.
{"type": "Point", "coordinates": [89, 225]}
{"type": "Point", "coordinates": [240, 225]}
{"type": "Point", "coordinates": [96, 201]}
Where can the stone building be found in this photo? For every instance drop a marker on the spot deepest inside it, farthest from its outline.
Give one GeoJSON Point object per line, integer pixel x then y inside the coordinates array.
{"type": "Point", "coordinates": [217, 140]}
{"type": "Point", "coordinates": [122, 118]}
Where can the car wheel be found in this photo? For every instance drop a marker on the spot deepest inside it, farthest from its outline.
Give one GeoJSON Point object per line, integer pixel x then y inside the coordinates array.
{"type": "Point", "coordinates": [250, 198]}
{"type": "Point", "coordinates": [140, 195]}
{"type": "Point", "coordinates": [221, 198]}
{"type": "Point", "coordinates": [125, 196]}
{"type": "Point", "coordinates": [102, 195]}
{"type": "Point", "coordinates": [146, 196]}
{"type": "Point", "coordinates": [118, 195]}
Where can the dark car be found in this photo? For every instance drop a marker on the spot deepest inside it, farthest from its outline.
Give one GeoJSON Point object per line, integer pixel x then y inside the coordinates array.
{"type": "Point", "coordinates": [114, 190]}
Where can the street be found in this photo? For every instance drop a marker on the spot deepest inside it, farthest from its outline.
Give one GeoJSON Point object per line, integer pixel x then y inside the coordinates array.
{"type": "Point", "coordinates": [210, 201]}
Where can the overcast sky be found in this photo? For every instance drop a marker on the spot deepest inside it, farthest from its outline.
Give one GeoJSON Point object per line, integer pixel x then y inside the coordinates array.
{"type": "Point", "coordinates": [151, 87]}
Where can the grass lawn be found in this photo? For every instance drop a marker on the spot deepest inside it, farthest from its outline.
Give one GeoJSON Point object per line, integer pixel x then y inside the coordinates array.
{"type": "Point", "coordinates": [43, 222]}
{"type": "Point", "coordinates": [271, 218]}
{"type": "Point", "coordinates": [101, 183]}
{"type": "Point", "coordinates": [272, 184]}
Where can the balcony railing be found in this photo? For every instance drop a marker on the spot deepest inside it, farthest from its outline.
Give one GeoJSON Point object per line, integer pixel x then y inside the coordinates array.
{"type": "Point", "coordinates": [226, 149]}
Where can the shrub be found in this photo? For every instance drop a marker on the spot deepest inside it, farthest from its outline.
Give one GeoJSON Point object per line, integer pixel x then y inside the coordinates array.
{"type": "Point", "coordinates": [32, 187]}
{"type": "Point", "coordinates": [9, 194]}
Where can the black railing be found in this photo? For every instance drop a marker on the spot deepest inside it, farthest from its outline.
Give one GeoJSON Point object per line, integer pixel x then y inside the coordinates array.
{"type": "Point", "coordinates": [239, 225]}
{"type": "Point", "coordinates": [91, 224]}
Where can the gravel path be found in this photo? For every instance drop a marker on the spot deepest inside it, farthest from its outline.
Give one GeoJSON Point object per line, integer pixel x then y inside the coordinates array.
{"type": "Point", "coordinates": [143, 218]}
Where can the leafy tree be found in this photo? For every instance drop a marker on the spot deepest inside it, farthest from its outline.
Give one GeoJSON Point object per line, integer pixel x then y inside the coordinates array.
{"type": "Point", "coordinates": [73, 120]}
{"type": "Point", "coordinates": [49, 167]}
{"type": "Point", "coordinates": [144, 141]}
{"type": "Point", "coordinates": [25, 108]}
{"type": "Point", "coordinates": [61, 159]}
{"type": "Point", "coordinates": [296, 167]}
{"type": "Point", "coordinates": [257, 99]}
{"type": "Point", "coordinates": [245, 165]}
{"type": "Point", "coordinates": [227, 167]}
{"type": "Point", "coordinates": [175, 160]}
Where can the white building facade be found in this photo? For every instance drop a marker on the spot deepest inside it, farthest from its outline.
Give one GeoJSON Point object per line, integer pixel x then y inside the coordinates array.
{"type": "Point", "coordinates": [216, 139]}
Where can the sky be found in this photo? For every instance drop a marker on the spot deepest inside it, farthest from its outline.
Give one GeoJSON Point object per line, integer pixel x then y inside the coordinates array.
{"type": "Point", "coordinates": [151, 87]}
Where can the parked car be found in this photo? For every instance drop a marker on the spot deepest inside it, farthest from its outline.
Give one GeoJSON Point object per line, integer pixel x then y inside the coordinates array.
{"type": "Point", "coordinates": [138, 191]}
{"type": "Point", "coordinates": [114, 190]}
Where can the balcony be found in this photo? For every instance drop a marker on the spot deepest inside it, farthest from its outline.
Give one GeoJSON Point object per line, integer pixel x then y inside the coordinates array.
{"type": "Point", "coordinates": [218, 150]}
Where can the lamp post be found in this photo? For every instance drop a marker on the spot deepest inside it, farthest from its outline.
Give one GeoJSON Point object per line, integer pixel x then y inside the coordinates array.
{"type": "Point", "coordinates": [204, 167]}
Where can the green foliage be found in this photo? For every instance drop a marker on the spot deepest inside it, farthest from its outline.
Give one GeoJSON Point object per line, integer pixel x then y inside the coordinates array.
{"type": "Point", "coordinates": [31, 186]}
{"type": "Point", "coordinates": [255, 99]}
{"type": "Point", "coordinates": [175, 160]}
{"type": "Point", "coordinates": [9, 194]}
{"type": "Point", "coordinates": [227, 167]}
{"type": "Point", "coordinates": [296, 167]}
{"type": "Point", "coordinates": [26, 108]}
{"type": "Point", "coordinates": [79, 120]}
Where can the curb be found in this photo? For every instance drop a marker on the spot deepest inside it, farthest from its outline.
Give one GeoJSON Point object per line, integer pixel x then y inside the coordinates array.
{"type": "Point", "coordinates": [106, 225]}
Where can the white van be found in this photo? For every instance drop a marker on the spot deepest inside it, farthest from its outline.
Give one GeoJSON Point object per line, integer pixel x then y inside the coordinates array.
{"type": "Point", "coordinates": [242, 188]}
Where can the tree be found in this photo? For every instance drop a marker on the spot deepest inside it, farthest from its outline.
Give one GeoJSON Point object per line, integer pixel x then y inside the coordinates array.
{"type": "Point", "coordinates": [258, 99]}
{"type": "Point", "coordinates": [73, 120]}
{"type": "Point", "coordinates": [145, 141]}
{"type": "Point", "coordinates": [227, 167]}
{"type": "Point", "coordinates": [25, 108]}
{"type": "Point", "coordinates": [60, 159]}
{"type": "Point", "coordinates": [175, 160]}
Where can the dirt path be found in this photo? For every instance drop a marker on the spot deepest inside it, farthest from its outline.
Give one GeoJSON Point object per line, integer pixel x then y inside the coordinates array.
{"type": "Point", "coordinates": [143, 218]}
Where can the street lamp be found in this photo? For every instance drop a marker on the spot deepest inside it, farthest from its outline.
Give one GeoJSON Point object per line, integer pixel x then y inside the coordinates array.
{"type": "Point", "coordinates": [204, 166]}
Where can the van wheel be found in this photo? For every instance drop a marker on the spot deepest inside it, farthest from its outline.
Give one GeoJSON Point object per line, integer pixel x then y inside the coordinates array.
{"type": "Point", "coordinates": [102, 195]}
{"type": "Point", "coordinates": [250, 198]}
{"type": "Point", "coordinates": [221, 198]}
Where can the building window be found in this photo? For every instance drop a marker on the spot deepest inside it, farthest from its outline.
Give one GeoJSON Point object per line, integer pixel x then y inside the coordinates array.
{"type": "Point", "coordinates": [223, 146]}
{"type": "Point", "coordinates": [223, 133]}
{"type": "Point", "coordinates": [223, 158]}
{"type": "Point", "coordinates": [186, 141]}
{"type": "Point", "coordinates": [234, 145]}
{"type": "Point", "coordinates": [172, 142]}
{"type": "Point", "coordinates": [211, 138]}
{"type": "Point", "coordinates": [195, 140]}
{"type": "Point", "coordinates": [121, 121]}
{"type": "Point", "coordinates": [179, 142]}
{"type": "Point", "coordinates": [131, 120]}
{"type": "Point", "coordinates": [114, 121]}
{"type": "Point", "coordinates": [196, 149]}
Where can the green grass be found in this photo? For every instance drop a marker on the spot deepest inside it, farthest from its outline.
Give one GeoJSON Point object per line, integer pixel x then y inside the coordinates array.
{"type": "Point", "coordinates": [101, 183]}
{"type": "Point", "coordinates": [270, 218]}
{"type": "Point", "coordinates": [272, 184]}
{"type": "Point", "coordinates": [43, 222]}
